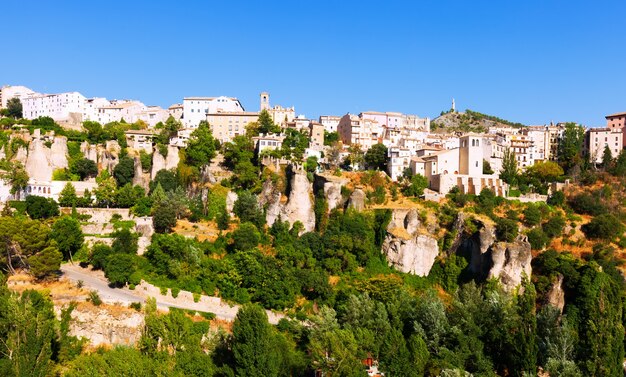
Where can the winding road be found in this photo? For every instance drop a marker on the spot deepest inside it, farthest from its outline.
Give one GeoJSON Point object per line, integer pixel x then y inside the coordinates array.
{"type": "Point", "coordinates": [95, 280]}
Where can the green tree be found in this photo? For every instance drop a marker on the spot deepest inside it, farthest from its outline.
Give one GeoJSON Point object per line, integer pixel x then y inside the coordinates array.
{"type": "Point", "coordinates": [166, 179]}
{"type": "Point", "coordinates": [571, 146]}
{"type": "Point", "coordinates": [416, 186]}
{"type": "Point", "coordinates": [506, 229]}
{"type": "Point", "coordinates": [376, 157]}
{"type": "Point", "coordinates": [17, 177]}
{"type": "Point", "coordinates": [607, 158]}
{"type": "Point", "coordinates": [45, 263]}
{"type": "Point", "coordinates": [84, 168]}
{"type": "Point", "coordinates": [509, 167]}
{"type": "Point", "coordinates": [606, 226]}
{"type": "Point", "coordinates": [164, 218]}
{"type": "Point", "coordinates": [124, 171]}
{"type": "Point", "coordinates": [39, 207]}
{"type": "Point", "coordinates": [245, 175]}
{"type": "Point", "coordinates": [532, 215]}
{"type": "Point", "coordinates": [125, 241]}
{"type": "Point", "coordinates": [99, 255]}
{"type": "Point", "coordinates": [68, 197]}
{"type": "Point", "coordinates": [223, 219]}
{"type": "Point", "coordinates": [201, 146]}
{"type": "Point", "coordinates": [105, 192]}
{"type": "Point", "coordinates": [266, 124]}
{"type": "Point", "coordinates": [487, 167]}
{"type": "Point", "coordinates": [128, 195]}
{"type": "Point", "coordinates": [545, 171]}
{"type": "Point", "coordinates": [253, 348]}
{"type": "Point", "coordinates": [246, 237]}
{"type": "Point", "coordinates": [247, 209]}
{"type": "Point", "coordinates": [14, 108]}
{"type": "Point", "coordinates": [119, 268]}
{"type": "Point", "coordinates": [68, 235]}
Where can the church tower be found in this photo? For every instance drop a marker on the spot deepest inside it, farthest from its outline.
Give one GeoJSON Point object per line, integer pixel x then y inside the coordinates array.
{"type": "Point", "coordinates": [265, 101]}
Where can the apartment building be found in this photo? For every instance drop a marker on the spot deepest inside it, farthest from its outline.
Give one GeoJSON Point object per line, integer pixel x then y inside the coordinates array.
{"type": "Point", "coordinates": [226, 125]}
{"type": "Point", "coordinates": [617, 122]}
{"type": "Point", "coordinates": [330, 122]}
{"type": "Point", "coordinates": [115, 111]}
{"type": "Point", "coordinates": [316, 133]}
{"type": "Point", "coordinates": [196, 109]}
{"type": "Point", "coordinates": [59, 107]}
{"type": "Point", "coordinates": [140, 140]}
{"type": "Point", "coordinates": [14, 91]}
{"type": "Point", "coordinates": [365, 132]}
{"type": "Point", "coordinates": [596, 139]}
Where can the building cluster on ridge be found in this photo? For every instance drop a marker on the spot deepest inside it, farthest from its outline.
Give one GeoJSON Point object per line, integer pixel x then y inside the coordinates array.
{"type": "Point", "coordinates": [446, 159]}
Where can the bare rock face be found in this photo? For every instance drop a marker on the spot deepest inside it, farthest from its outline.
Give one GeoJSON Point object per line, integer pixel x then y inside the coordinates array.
{"type": "Point", "coordinates": [405, 247]}
{"type": "Point", "coordinates": [269, 198]}
{"type": "Point", "coordinates": [357, 200]}
{"type": "Point", "coordinates": [89, 151]}
{"type": "Point", "coordinates": [21, 155]}
{"type": "Point", "coordinates": [102, 328]}
{"type": "Point", "coordinates": [158, 163]}
{"type": "Point", "coordinates": [37, 164]}
{"type": "Point", "coordinates": [331, 186]}
{"type": "Point", "coordinates": [510, 262]}
{"type": "Point", "coordinates": [58, 153]}
{"type": "Point", "coordinates": [231, 198]}
{"type": "Point", "coordinates": [299, 206]}
{"type": "Point", "coordinates": [172, 159]}
{"type": "Point", "coordinates": [556, 295]}
{"type": "Point", "coordinates": [140, 178]}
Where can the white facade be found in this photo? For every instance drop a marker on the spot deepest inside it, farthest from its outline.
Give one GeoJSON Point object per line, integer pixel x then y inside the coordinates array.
{"type": "Point", "coordinates": [268, 142]}
{"type": "Point", "coordinates": [596, 139]}
{"type": "Point", "coordinates": [153, 115]}
{"type": "Point", "coordinates": [56, 106]}
{"type": "Point", "coordinates": [195, 109]}
{"type": "Point", "coordinates": [330, 122]}
{"type": "Point", "coordinates": [117, 110]}
{"type": "Point", "coordinates": [14, 91]}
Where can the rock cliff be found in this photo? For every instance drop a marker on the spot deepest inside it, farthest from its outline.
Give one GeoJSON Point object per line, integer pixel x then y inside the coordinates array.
{"type": "Point", "coordinates": [357, 200]}
{"type": "Point", "coordinates": [37, 163]}
{"type": "Point", "coordinates": [331, 187]}
{"type": "Point", "coordinates": [58, 153]}
{"type": "Point", "coordinates": [160, 162]}
{"type": "Point", "coordinates": [101, 328]}
{"type": "Point", "coordinates": [299, 206]}
{"type": "Point", "coordinates": [405, 247]}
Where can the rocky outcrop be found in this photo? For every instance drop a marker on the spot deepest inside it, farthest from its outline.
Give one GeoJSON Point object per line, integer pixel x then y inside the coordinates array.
{"type": "Point", "coordinates": [160, 162]}
{"type": "Point", "coordinates": [58, 153]}
{"type": "Point", "coordinates": [21, 155]}
{"type": "Point", "coordinates": [405, 247]}
{"type": "Point", "coordinates": [89, 151]}
{"type": "Point", "coordinates": [101, 327]}
{"type": "Point", "coordinates": [269, 198]}
{"type": "Point", "coordinates": [331, 187]}
{"type": "Point", "coordinates": [231, 198]}
{"type": "Point", "coordinates": [172, 159]}
{"type": "Point", "coordinates": [37, 164]}
{"type": "Point", "coordinates": [510, 263]}
{"type": "Point", "coordinates": [299, 206]}
{"type": "Point", "coordinates": [556, 294]}
{"type": "Point", "coordinates": [357, 200]}
{"type": "Point", "coordinates": [140, 178]}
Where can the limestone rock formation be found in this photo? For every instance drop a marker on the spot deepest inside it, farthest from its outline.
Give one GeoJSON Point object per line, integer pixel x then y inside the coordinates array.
{"type": "Point", "coordinates": [158, 163]}
{"type": "Point", "coordinates": [405, 247]}
{"type": "Point", "coordinates": [89, 151]}
{"type": "Point", "coordinates": [21, 155]}
{"type": "Point", "coordinates": [510, 262]}
{"type": "Point", "coordinates": [172, 159]}
{"type": "Point", "coordinates": [37, 164]}
{"type": "Point", "coordinates": [556, 295]}
{"type": "Point", "coordinates": [231, 198]}
{"type": "Point", "coordinates": [58, 153]}
{"type": "Point", "coordinates": [357, 200]}
{"type": "Point", "coordinates": [299, 206]}
{"type": "Point", "coordinates": [102, 328]}
{"type": "Point", "coordinates": [331, 186]}
{"type": "Point", "coordinates": [269, 198]}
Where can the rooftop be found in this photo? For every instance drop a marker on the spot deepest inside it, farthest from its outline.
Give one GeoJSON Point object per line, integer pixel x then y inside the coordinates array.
{"type": "Point", "coordinates": [616, 115]}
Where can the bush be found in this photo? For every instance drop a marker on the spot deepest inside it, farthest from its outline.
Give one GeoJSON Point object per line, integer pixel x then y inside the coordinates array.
{"type": "Point", "coordinates": [39, 207]}
{"type": "Point", "coordinates": [506, 229]}
{"type": "Point", "coordinates": [557, 199]}
{"type": "Point", "coordinates": [175, 292]}
{"type": "Point", "coordinates": [246, 237]}
{"type": "Point", "coordinates": [94, 297]}
{"type": "Point", "coordinates": [537, 239]}
{"type": "Point", "coordinates": [554, 227]}
{"type": "Point", "coordinates": [164, 218]}
{"type": "Point", "coordinates": [606, 227]}
{"type": "Point", "coordinates": [586, 203]}
{"type": "Point", "coordinates": [119, 268]}
{"type": "Point", "coordinates": [99, 255]}
{"type": "Point", "coordinates": [532, 215]}
{"type": "Point", "coordinates": [136, 306]}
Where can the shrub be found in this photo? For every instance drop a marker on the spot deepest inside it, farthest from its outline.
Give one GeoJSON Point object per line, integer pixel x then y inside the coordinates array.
{"type": "Point", "coordinates": [554, 227]}
{"type": "Point", "coordinates": [136, 306]}
{"type": "Point", "coordinates": [532, 215]}
{"type": "Point", "coordinates": [506, 229]}
{"type": "Point", "coordinates": [94, 297]}
{"type": "Point", "coordinates": [175, 292]}
{"type": "Point", "coordinates": [537, 239]}
{"type": "Point", "coordinates": [587, 204]}
{"type": "Point", "coordinates": [39, 207]}
{"type": "Point", "coordinates": [246, 237]}
{"type": "Point", "coordinates": [606, 227]}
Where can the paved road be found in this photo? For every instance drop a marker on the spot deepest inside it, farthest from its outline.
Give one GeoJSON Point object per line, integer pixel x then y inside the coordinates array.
{"type": "Point", "coordinates": [95, 280]}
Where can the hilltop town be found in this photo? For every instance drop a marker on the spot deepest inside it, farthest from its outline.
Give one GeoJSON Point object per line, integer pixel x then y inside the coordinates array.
{"type": "Point", "coordinates": [208, 239]}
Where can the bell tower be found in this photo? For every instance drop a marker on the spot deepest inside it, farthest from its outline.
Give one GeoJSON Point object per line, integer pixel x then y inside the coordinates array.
{"type": "Point", "coordinates": [265, 101]}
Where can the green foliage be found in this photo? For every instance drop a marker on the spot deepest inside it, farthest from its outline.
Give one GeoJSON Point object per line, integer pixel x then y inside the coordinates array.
{"type": "Point", "coordinates": [509, 167]}
{"type": "Point", "coordinates": [537, 239]}
{"type": "Point", "coordinates": [254, 350]}
{"type": "Point", "coordinates": [416, 186]}
{"type": "Point", "coordinates": [330, 138]}
{"type": "Point", "coordinates": [606, 226]}
{"type": "Point", "coordinates": [14, 108]}
{"type": "Point", "coordinates": [201, 146]}
{"type": "Point", "coordinates": [532, 215]}
{"type": "Point", "coordinates": [266, 124]}
{"type": "Point", "coordinates": [39, 207]}
{"type": "Point", "coordinates": [84, 168]}
{"type": "Point", "coordinates": [166, 179]}
{"type": "Point", "coordinates": [246, 237]}
{"type": "Point", "coordinates": [119, 269]}
{"type": "Point", "coordinates": [164, 218]}
{"type": "Point", "coordinates": [247, 209]}
{"type": "Point", "coordinates": [571, 146]}
{"type": "Point", "coordinates": [105, 192]}
{"type": "Point", "coordinates": [506, 229]}
{"type": "Point", "coordinates": [146, 161]}
{"type": "Point", "coordinates": [554, 226]}
{"type": "Point", "coordinates": [99, 255]}
{"type": "Point", "coordinates": [45, 263]}
{"type": "Point", "coordinates": [124, 171]}
{"type": "Point", "coordinates": [68, 235]}
{"type": "Point", "coordinates": [487, 167]}
{"type": "Point", "coordinates": [68, 197]}
{"type": "Point", "coordinates": [376, 157]}
{"type": "Point", "coordinates": [124, 241]}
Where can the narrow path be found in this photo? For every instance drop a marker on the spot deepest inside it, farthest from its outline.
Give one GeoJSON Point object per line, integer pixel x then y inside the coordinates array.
{"type": "Point", "coordinates": [95, 280]}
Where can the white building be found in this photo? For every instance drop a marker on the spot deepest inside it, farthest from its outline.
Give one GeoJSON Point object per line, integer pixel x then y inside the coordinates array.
{"type": "Point", "coordinates": [56, 106]}
{"type": "Point", "coordinates": [153, 115]}
{"type": "Point", "coordinates": [127, 110]}
{"type": "Point", "coordinates": [597, 139]}
{"type": "Point", "coordinates": [195, 109]}
{"type": "Point", "coordinates": [267, 142]}
{"type": "Point", "coordinates": [14, 91]}
{"type": "Point", "coordinates": [330, 122]}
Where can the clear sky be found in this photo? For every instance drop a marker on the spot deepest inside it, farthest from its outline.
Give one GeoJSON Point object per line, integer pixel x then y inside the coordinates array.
{"type": "Point", "coordinates": [527, 61]}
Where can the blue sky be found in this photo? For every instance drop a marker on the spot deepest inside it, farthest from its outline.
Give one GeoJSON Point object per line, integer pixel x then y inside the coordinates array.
{"type": "Point", "coordinates": [527, 61]}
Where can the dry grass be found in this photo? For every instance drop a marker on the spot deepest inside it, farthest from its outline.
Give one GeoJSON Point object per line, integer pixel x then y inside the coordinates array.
{"type": "Point", "coordinates": [61, 291]}
{"type": "Point", "coordinates": [203, 231]}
